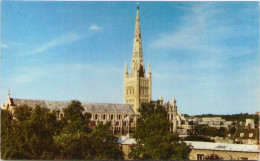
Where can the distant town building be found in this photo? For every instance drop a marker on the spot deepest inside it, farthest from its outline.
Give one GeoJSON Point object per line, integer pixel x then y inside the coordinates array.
{"type": "Point", "coordinates": [250, 123]}
{"type": "Point", "coordinates": [216, 122]}
{"type": "Point", "coordinates": [227, 151]}
{"type": "Point", "coordinates": [246, 136]}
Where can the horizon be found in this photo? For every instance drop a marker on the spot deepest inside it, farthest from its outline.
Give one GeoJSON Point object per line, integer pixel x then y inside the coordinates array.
{"type": "Point", "coordinates": [204, 54]}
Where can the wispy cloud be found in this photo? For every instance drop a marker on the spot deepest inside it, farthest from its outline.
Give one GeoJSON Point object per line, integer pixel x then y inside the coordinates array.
{"type": "Point", "coordinates": [94, 27]}
{"type": "Point", "coordinates": [64, 39]}
{"type": "Point", "coordinates": [204, 31]}
{"type": "Point", "coordinates": [4, 46]}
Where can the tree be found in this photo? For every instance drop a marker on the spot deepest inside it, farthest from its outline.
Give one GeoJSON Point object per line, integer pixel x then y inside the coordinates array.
{"type": "Point", "coordinates": [73, 140]}
{"type": "Point", "coordinates": [153, 136]}
{"type": "Point", "coordinates": [30, 135]}
{"type": "Point", "coordinates": [213, 157]}
{"type": "Point", "coordinates": [232, 130]}
{"type": "Point", "coordinates": [74, 119]}
{"type": "Point", "coordinates": [198, 138]}
{"type": "Point", "coordinates": [77, 141]}
{"type": "Point", "coordinates": [221, 124]}
{"type": "Point", "coordinates": [104, 143]}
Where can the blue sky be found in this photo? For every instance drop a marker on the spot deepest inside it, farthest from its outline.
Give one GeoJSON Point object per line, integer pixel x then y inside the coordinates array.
{"type": "Point", "coordinates": [206, 54]}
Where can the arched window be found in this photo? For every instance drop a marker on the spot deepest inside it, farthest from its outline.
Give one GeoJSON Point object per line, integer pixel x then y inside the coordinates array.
{"type": "Point", "coordinates": [119, 117]}
{"type": "Point", "coordinates": [104, 117]}
{"type": "Point", "coordinates": [96, 117]}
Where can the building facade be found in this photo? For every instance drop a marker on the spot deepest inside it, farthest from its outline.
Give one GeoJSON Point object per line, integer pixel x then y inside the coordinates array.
{"type": "Point", "coordinates": [200, 150]}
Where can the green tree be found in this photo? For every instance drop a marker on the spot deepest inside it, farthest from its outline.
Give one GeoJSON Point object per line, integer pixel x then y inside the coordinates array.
{"type": "Point", "coordinates": [31, 134]}
{"type": "Point", "coordinates": [232, 130]}
{"type": "Point", "coordinates": [74, 119]}
{"type": "Point", "coordinates": [77, 141]}
{"type": "Point", "coordinates": [104, 143]}
{"type": "Point", "coordinates": [154, 139]}
{"type": "Point", "coordinates": [198, 138]}
{"type": "Point", "coordinates": [73, 140]}
{"type": "Point", "coordinates": [213, 157]}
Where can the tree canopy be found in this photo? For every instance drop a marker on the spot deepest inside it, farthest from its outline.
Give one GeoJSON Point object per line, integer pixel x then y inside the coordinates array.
{"type": "Point", "coordinates": [153, 136]}
{"type": "Point", "coordinates": [36, 133]}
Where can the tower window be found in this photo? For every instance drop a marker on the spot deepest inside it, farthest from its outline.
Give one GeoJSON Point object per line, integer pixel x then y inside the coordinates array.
{"type": "Point", "coordinates": [136, 40]}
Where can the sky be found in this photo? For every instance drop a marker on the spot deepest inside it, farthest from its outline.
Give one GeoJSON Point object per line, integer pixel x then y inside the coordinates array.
{"type": "Point", "coordinates": [205, 54]}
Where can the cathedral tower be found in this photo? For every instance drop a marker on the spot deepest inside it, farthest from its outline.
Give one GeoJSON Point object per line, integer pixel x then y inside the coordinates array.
{"type": "Point", "coordinates": [137, 83]}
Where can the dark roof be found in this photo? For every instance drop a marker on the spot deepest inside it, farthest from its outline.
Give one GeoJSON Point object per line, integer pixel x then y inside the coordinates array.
{"type": "Point", "coordinates": [246, 132]}
{"type": "Point", "coordinates": [89, 107]}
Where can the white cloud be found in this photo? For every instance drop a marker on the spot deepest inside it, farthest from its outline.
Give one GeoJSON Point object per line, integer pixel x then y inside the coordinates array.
{"type": "Point", "coordinates": [65, 39]}
{"type": "Point", "coordinates": [94, 27]}
{"type": "Point", "coordinates": [203, 31]}
{"type": "Point", "coordinates": [4, 46]}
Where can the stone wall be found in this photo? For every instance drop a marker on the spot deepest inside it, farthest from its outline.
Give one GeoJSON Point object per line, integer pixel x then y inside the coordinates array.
{"type": "Point", "coordinates": [226, 155]}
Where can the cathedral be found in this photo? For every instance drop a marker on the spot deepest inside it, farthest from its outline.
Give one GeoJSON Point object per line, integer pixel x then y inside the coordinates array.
{"type": "Point", "coordinates": [137, 90]}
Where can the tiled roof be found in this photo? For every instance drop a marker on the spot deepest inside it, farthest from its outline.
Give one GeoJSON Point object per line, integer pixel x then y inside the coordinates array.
{"type": "Point", "coordinates": [244, 133]}
{"type": "Point", "coordinates": [89, 107]}
{"type": "Point", "coordinates": [223, 146]}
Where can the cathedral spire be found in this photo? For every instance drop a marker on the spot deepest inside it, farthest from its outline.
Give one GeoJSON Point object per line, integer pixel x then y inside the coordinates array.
{"type": "Point", "coordinates": [149, 67]}
{"type": "Point", "coordinates": [8, 94]}
{"type": "Point", "coordinates": [126, 69]}
{"type": "Point", "coordinates": [137, 64]}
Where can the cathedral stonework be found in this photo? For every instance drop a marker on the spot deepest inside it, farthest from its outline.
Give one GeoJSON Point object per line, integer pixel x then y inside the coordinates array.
{"type": "Point", "coordinates": [137, 84]}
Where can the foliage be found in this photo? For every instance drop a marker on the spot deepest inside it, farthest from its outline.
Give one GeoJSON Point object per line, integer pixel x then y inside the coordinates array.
{"type": "Point", "coordinates": [198, 138]}
{"type": "Point", "coordinates": [232, 130]}
{"type": "Point", "coordinates": [209, 131]}
{"type": "Point", "coordinates": [35, 133]}
{"type": "Point", "coordinates": [75, 120]}
{"type": "Point", "coordinates": [213, 157]}
{"type": "Point", "coordinates": [104, 143]}
{"type": "Point", "coordinates": [31, 134]}
{"type": "Point", "coordinates": [154, 139]}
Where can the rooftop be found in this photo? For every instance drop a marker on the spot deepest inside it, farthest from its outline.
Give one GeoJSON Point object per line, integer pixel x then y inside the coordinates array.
{"type": "Point", "coordinates": [223, 146]}
{"type": "Point", "coordinates": [89, 107]}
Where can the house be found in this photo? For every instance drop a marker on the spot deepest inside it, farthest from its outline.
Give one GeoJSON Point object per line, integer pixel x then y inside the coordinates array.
{"type": "Point", "coordinates": [226, 151]}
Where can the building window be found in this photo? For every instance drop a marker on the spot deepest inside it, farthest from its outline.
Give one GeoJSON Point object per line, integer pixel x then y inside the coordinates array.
{"type": "Point", "coordinates": [61, 115]}
{"type": "Point", "coordinates": [111, 117]}
{"type": "Point", "coordinates": [244, 158]}
{"type": "Point", "coordinates": [241, 134]}
{"type": "Point", "coordinates": [251, 135]}
{"type": "Point", "coordinates": [200, 156]}
{"type": "Point", "coordinates": [119, 117]}
{"type": "Point", "coordinates": [96, 116]}
{"type": "Point", "coordinates": [104, 117]}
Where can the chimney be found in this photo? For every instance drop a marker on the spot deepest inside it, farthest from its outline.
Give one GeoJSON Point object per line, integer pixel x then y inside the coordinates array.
{"type": "Point", "coordinates": [249, 126]}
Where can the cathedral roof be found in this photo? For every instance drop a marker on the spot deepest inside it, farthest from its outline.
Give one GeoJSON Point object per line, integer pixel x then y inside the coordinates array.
{"type": "Point", "coordinates": [89, 107]}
